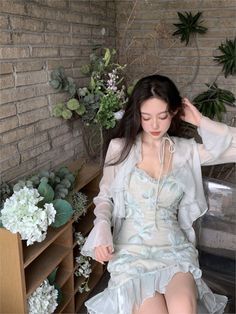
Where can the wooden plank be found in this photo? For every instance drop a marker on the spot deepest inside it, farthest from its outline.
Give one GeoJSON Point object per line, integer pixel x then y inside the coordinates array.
{"type": "Point", "coordinates": [40, 268]}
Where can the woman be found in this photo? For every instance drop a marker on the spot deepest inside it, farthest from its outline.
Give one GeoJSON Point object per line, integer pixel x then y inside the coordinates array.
{"type": "Point", "coordinates": [151, 193]}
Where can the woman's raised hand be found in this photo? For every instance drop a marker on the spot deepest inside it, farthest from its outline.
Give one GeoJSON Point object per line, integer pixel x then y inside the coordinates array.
{"type": "Point", "coordinates": [191, 113]}
{"type": "Point", "coordinates": [103, 253]}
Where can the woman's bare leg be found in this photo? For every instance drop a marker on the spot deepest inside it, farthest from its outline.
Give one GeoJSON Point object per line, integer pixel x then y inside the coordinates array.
{"type": "Point", "coordinates": [153, 305]}
{"type": "Point", "coordinates": [181, 294]}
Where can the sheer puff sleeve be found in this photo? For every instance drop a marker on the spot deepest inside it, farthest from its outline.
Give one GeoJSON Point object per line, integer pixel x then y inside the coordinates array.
{"type": "Point", "coordinates": [101, 232]}
{"type": "Point", "coordinates": [219, 142]}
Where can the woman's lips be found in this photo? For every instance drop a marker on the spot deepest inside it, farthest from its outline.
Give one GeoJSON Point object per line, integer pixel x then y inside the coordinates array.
{"type": "Point", "coordinates": [155, 133]}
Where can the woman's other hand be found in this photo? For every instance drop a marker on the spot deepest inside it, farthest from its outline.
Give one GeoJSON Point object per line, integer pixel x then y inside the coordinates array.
{"type": "Point", "coordinates": [191, 113]}
{"type": "Point", "coordinates": [103, 253]}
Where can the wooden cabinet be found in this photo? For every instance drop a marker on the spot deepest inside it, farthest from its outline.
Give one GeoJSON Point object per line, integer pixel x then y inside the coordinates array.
{"type": "Point", "coordinates": [23, 269]}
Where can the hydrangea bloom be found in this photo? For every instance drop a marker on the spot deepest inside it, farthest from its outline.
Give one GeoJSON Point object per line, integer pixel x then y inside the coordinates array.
{"type": "Point", "coordinates": [21, 214]}
{"type": "Point", "coordinates": [43, 300]}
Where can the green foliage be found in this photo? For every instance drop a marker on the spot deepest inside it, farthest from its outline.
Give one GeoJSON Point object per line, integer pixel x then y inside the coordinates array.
{"type": "Point", "coordinates": [228, 57]}
{"type": "Point", "coordinates": [189, 25]}
{"type": "Point", "coordinates": [64, 212]}
{"type": "Point", "coordinates": [46, 191]}
{"type": "Point", "coordinates": [108, 104]}
{"type": "Point", "coordinates": [5, 192]}
{"type": "Point", "coordinates": [79, 203]}
{"type": "Point", "coordinates": [105, 76]}
{"type": "Point", "coordinates": [212, 102]}
{"type": "Point", "coordinates": [60, 82]}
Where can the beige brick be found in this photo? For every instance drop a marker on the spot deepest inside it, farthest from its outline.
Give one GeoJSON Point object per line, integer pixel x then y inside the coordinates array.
{"type": "Point", "coordinates": [21, 170]}
{"type": "Point", "coordinates": [44, 52]}
{"type": "Point", "coordinates": [14, 7]}
{"type": "Point", "coordinates": [53, 3]}
{"type": "Point", "coordinates": [92, 20]}
{"type": "Point", "coordinates": [6, 81]}
{"type": "Point", "coordinates": [10, 163]}
{"type": "Point", "coordinates": [8, 124]}
{"type": "Point", "coordinates": [54, 39]}
{"type": "Point", "coordinates": [60, 140]}
{"type": "Point", "coordinates": [28, 24]}
{"type": "Point", "coordinates": [55, 63]}
{"type": "Point", "coordinates": [15, 94]}
{"type": "Point", "coordinates": [5, 38]}
{"type": "Point", "coordinates": [14, 53]}
{"type": "Point", "coordinates": [63, 158]}
{"type": "Point", "coordinates": [43, 89]}
{"type": "Point", "coordinates": [33, 116]}
{"type": "Point", "coordinates": [72, 17]}
{"type": "Point", "coordinates": [81, 41]}
{"type": "Point", "coordinates": [81, 29]}
{"type": "Point", "coordinates": [57, 27]}
{"type": "Point", "coordinates": [47, 124]}
{"type": "Point", "coordinates": [6, 68]}
{"type": "Point", "coordinates": [17, 134]}
{"type": "Point", "coordinates": [3, 22]}
{"type": "Point", "coordinates": [43, 12]}
{"type": "Point", "coordinates": [7, 110]}
{"type": "Point", "coordinates": [34, 152]}
{"type": "Point", "coordinates": [56, 98]}
{"type": "Point", "coordinates": [32, 141]}
{"type": "Point", "coordinates": [27, 38]}
{"type": "Point", "coordinates": [30, 65]}
{"type": "Point", "coordinates": [52, 154]}
{"type": "Point", "coordinates": [70, 52]}
{"type": "Point", "coordinates": [58, 131]}
{"type": "Point", "coordinates": [31, 104]}
{"type": "Point", "coordinates": [80, 6]}
{"type": "Point", "coordinates": [8, 152]}
{"type": "Point", "coordinates": [29, 78]}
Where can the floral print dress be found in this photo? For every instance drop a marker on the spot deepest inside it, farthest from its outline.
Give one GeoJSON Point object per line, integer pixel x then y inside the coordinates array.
{"type": "Point", "coordinates": [150, 249]}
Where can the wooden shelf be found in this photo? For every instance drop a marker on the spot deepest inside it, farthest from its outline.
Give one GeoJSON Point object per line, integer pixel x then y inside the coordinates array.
{"type": "Point", "coordinates": [62, 276]}
{"type": "Point", "coordinates": [33, 251]}
{"type": "Point", "coordinates": [65, 300]}
{"type": "Point", "coordinates": [24, 268]}
{"type": "Point", "coordinates": [37, 271]}
{"type": "Point", "coordinates": [87, 173]}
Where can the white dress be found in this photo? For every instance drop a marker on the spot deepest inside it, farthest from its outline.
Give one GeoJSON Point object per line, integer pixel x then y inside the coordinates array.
{"type": "Point", "coordinates": [151, 248]}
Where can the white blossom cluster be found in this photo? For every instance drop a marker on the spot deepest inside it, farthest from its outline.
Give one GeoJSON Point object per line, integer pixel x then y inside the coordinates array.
{"type": "Point", "coordinates": [43, 300]}
{"type": "Point", "coordinates": [21, 214]}
{"type": "Point", "coordinates": [112, 81]}
{"type": "Point", "coordinates": [79, 239]}
{"type": "Point", "coordinates": [83, 266]}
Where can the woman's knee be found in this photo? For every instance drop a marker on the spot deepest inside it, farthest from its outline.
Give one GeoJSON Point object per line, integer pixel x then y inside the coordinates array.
{"type": "Point", "coordinates": [182, 303]}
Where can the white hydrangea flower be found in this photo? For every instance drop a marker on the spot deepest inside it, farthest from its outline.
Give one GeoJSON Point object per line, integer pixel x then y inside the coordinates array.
{"type": "Point", "coordinates": [21, 214]}
{"type": "Point", "coordinates": [43, 300]}
{"type": "Point", "coordinates": [119, 114]}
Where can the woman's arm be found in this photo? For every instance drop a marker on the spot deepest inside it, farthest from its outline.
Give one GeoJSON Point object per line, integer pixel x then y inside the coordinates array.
{"type": "Point", "coordinates": [101, 235]}
{"type": "Point", "coordinates": [219, 140]}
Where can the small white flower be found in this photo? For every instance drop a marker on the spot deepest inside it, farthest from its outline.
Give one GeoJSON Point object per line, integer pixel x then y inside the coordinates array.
{"type": "Point", "coordinates": [43, 300]}
{"type": "Point", "coordinates": [119, 114]}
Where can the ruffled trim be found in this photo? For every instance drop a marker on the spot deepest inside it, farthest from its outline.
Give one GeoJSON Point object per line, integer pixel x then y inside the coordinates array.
{"type": "Point", "coordinates": [121, 299]}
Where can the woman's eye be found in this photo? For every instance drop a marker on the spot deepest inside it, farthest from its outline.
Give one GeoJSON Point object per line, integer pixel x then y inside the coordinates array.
{"type": "Point", "coordinates": [163, 117]}
{"type": "Point", "coordinates": [145, 119]}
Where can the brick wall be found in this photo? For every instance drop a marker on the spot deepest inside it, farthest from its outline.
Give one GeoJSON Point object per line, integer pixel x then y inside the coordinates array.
{"type": "Point", "coordinates": [149, 47]}
{"type": "Point", "coordinates": [36, 37]}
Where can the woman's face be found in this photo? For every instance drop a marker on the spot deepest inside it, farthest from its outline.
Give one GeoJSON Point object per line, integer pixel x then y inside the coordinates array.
{"type": "Point", "coordinates": [155, 118]}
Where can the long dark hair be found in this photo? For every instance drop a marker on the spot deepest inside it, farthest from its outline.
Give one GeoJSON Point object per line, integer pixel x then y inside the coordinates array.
{"type": "Point", "coordinates": [157, 86]}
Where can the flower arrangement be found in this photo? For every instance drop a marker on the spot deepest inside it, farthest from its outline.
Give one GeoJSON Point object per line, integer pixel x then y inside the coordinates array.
{"type": "Point", "coordinates": [102, 101]}
{"type": "Point", "coordinates": [43, 299]}
{"type": "Point", "coordinates": [21, 214]}
{"type": "Point", "coordinates": [31, 205]}
{"type": "Point", "coordinates": [83, 264]}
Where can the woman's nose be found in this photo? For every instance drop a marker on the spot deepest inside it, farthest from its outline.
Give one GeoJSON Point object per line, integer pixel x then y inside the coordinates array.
{"type": "Point", "coordinates": [155, 124]}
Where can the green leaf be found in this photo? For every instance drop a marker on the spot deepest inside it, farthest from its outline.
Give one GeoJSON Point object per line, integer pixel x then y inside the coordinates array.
{"type": "Point", "coordinates": [64, 212]}
{"type": "Point", "coordinates": [52, 277]}
{"type": "Point", "coordinates": [81, 110]}
{"type": "Point", "coordinates": [73, 104]}
{"type": "Point", "coordinates": [66, 114]}
{"type": "Point", "coordinates": [55, 84]}
{"type": "Point", "coordinates": [46, 191]}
